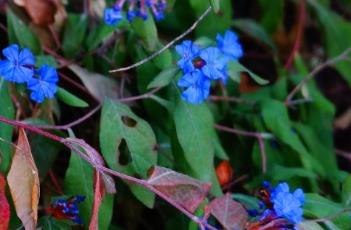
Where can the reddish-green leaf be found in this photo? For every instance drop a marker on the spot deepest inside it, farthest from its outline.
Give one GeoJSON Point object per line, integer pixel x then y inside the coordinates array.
{"type": "Point", "coordinates": [231, 214]}
{"type": "Point", "coordinates": [184, 190]}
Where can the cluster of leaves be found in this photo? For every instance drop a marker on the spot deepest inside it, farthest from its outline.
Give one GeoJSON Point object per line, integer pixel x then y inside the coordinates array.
{"type": "Point", "coordinates": [249, 130]}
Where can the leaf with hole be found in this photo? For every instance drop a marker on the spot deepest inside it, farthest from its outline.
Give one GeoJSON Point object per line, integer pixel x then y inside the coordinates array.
{"type": "Point", "coordinates": [128, 144]}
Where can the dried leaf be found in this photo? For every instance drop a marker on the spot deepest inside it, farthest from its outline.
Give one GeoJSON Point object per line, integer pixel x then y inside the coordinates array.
{"type": "Point", "coordinates": [98, 85]}
{"type": "Point", "coordinates": [231, 214]}
{"type": "Point", "coordinates": [41, 12]}
{"type": "Point", "coordinates": [98, 197]}
{"type": "Point", "coordinates": [184, 190]}
{"type": "Point", "coordinates": [4, 205]}
{"type": "Point", "coordinates": [23, 180]}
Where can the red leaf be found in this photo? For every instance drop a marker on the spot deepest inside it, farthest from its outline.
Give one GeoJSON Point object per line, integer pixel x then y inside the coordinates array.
{"type": "Point", "coordinates": [231, 214]}
{"type": "Point", "coordinates": [98, 197]}
{"type": "Point", "coordinates": [4, 206]}
{"type": "Point", "coordinates": [23, 181]}
{"type": "Point", "coordinates": [184, 190]}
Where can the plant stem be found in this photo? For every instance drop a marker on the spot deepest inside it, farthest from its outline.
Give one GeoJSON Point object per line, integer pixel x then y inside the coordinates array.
{"type": "Point", "coordinates": [101, 168]}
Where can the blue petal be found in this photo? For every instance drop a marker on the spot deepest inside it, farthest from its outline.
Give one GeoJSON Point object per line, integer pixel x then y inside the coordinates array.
{"type": "Point", "coordinates": [26, 57]}
{"type": "Point", "coordinates": [11, 53]}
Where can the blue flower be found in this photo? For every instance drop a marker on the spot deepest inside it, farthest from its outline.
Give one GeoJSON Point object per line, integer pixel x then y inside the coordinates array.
{"type": "Point", "coordinates": [112, 16]}
{"type": "Point", "coordinates": [288, 205]}
{"type": "Point", "coordinates": [188, 51]}
{"type": "Point", "coordinates": [197, 87]}
{"type": "Point", "coordinates": [139, 8]}
{"type": "Point", "coordinates": [215, 67]}
{"type": "Point", "coordinates": [19, 66]}
{"type": "Point", "coordinates": [229, 45]}
{"type": "Point", "coordinates": [67, 209]}
{"type": "Point", "coordinates": [44, 86]}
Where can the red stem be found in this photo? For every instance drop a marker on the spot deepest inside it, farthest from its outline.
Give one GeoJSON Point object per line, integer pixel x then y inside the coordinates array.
{"type": "Point", "coordinates": [299, 34]}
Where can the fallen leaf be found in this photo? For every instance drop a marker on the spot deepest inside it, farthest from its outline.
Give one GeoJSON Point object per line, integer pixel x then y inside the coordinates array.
{"type": "Point", "coordinates": [42, 13]}
{"type": "Point", "coordinates": [4, 205]}
{"type": "Point", "coordinates": [23, 180]}
{"type": "Point", "coordinates": [184, 190]}
{"type": "Point", "coordinates": [231, 214]}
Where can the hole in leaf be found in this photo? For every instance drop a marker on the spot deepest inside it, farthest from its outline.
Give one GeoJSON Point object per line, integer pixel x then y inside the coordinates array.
{"type": "Point", "coordinates": [124, 156]}
{"type": "Point", "coordinates": [128, 121]}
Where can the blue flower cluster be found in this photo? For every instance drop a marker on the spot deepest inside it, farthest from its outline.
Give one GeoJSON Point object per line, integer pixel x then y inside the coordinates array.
{"type": "Point", "coordinates": [67, 209]}
{"type": "Point", "coordinates": [19, 67]}
{"type": "Point", "coordinates": [279, 202]}
{"type": "Point", "coordinates": [202, 65]}
{"type": "Point", "coordinates": [136, 8]}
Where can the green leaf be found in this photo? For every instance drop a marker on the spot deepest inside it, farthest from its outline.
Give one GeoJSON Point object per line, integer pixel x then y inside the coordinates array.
{"type": "Point", "coordinates": [276, 118]}
{"type": "Point", "coordinates": [253, 29]}
{"type": "Point", "coordinates": [272, 14]}
{"type": "Point", "coordinates": [320, 152]}
{"type": "Point", "coordinates": [346, 191]}
{"type": "Point", "coordinates": [120, 125]}
{"type": "Point", "coordinates": [164, 78]}
{"type": "Point", "coordinates": [6, 110]}
{"type": "Point", "coordinates": [147, 31]}
{"type": "Point", "coordinates": [281, 173]}
{"type": "Point", "coordinates": [213, 23]}
{"type": "Point", "coordinates": [195, 132]}
{"type": "Point", "coordinates": [337, 35]}
{"type": "Point", "coordinates": [48, 222]}
{"type": "Point", "coordinates": [215, 5]}
{"type": "Point", "coordinates": [235, 67]}
{"type": "Point", "coordinates": [309, 225]}
{"type": "Point", "coordinates": [73, 35]}
{"type": "Point", "coordinates": [45, 60]}
{"type": "Point", "coordinates": [79, 180]}
{"type": "Point", "coordinates": [21, 33]}
{"type": "Point", "coordinates": [70, 99]}
{"type": "Point", "coordinates": [98, 35]}
{"type": "Point", "coordinates": [320, 207]}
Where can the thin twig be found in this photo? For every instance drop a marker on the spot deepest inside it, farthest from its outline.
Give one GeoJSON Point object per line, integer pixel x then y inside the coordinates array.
{"type": "Point", "coordinates": [101, 168]}
{"type": "Point", "coordinates": [73, 123]}
{"type": "Point", "coordinates": [259, 136]}
{"type": "Point", "coordinates": [140, 97]}
{"type": "Point", "coordinates": [95, 110]}
{"type": "Point", "coordinates": [315, 71]}
{"type": "Point", "coordinates": [157, 53]}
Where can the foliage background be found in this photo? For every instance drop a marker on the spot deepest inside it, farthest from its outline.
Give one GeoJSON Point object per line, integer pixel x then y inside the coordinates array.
{"type": "Point", "coordinates": [305, 140]}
